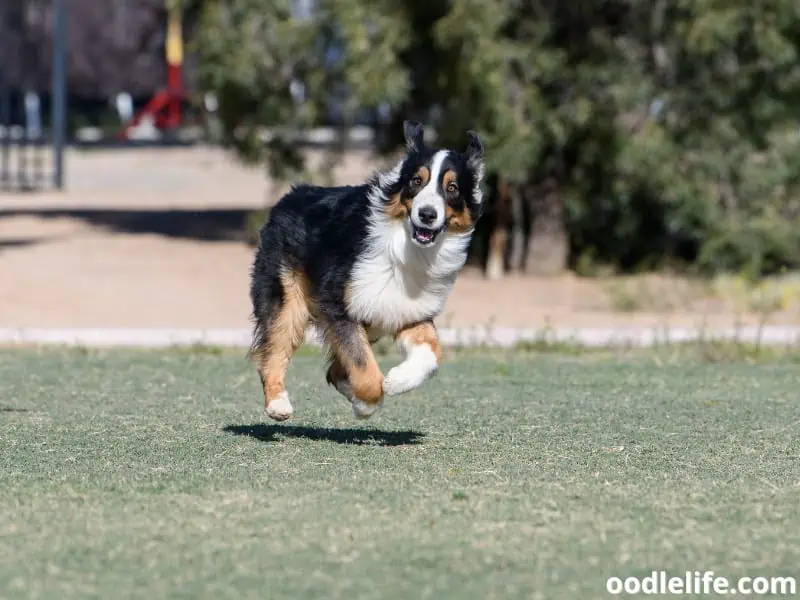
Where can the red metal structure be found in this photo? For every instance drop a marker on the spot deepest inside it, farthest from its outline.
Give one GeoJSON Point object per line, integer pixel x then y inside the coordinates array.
{"type": "Point", "coordinates": [165, 105]}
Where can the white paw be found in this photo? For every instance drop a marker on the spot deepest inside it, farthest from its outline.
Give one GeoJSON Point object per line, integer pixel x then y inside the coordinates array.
{"type": "Point", "coordinates": [399, 380]}
{"type": "Point", "coordinates": [364, 410]}
{"type": "Point", "coordinates": [279, 409]}
{"type": "Point", "coordinates": [419, 365]}
{"type": "Point", "coordinates": [405, 377]}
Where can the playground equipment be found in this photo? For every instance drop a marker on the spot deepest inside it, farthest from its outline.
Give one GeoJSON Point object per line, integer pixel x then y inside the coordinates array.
{"type": "Point", "coordinates": [164, 108]}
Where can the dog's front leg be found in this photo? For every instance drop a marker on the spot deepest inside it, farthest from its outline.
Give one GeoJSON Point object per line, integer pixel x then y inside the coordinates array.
{"type": "Point", "coordinates": [422, 354]}
{"type": "Point", "coordinates": [354, 371]}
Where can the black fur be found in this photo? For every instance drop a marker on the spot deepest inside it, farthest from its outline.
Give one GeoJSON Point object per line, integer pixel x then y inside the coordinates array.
{"type": "Point", "coordinates": [321, 231]}
{"type": "Point", "coordinates": [315, 230]}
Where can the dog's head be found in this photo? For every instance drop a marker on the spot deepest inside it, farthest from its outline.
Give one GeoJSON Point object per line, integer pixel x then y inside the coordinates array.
{"type": "Point", "coordinates": [435, 190]}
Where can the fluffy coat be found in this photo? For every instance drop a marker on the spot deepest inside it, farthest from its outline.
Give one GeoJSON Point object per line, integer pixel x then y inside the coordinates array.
{"type": "Point", "coordinates": [362, 262]}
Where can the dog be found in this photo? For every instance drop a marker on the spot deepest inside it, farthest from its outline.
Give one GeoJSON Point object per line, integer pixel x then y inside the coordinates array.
{"type": "Point", "coordinates": [363, 262]}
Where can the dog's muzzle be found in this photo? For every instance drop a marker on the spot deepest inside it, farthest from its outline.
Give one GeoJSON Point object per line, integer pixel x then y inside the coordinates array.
{"type": "Point", "coordinates": [427, 222]}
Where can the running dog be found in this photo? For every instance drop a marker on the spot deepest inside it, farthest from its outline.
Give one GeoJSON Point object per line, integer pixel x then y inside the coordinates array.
{"type": "Point", "coordinates": [362, 262]}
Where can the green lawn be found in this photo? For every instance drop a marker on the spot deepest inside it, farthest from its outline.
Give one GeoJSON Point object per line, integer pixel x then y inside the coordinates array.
{"type": "Point", "coordinates": [153, 474]}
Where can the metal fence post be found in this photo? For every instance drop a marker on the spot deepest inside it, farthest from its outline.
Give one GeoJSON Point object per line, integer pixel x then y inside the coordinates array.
{"type": "Point", "coordinates": [5, 126]}
{"type": "Point", "coordinates": [59, 96]}
{"type": "Point", "coordinates": [5, 118]}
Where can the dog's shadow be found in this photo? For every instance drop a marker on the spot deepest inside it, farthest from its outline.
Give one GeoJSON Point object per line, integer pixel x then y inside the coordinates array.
{"type": "Point", "coordinates": [377, 437]}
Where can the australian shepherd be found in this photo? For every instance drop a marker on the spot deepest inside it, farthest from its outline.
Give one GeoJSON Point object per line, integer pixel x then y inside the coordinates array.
{"type": "Point", "coordinates": [362, 262]}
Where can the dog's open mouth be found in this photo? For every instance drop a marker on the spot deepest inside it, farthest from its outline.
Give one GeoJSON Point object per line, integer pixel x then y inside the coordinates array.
{"type": "Point", "coordinates": [424, 235]}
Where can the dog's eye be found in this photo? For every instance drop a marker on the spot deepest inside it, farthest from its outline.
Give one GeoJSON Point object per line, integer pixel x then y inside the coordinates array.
{"type": "Point", "coordinates": [416, 181]}
{"type": "Point", "coordinates": [452, 188]}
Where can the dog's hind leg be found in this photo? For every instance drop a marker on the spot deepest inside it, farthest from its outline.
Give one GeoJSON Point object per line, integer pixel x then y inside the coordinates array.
{"type": "Point", "coordinates": [422, 353]}
{"type": "Point", "coordinates": [279, 334]}
{"type": "Point", "coordinates": [353, 370]}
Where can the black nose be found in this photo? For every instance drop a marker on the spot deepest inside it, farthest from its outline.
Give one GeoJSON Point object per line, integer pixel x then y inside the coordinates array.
{"type": "Point", "coordinates": [427, 214]}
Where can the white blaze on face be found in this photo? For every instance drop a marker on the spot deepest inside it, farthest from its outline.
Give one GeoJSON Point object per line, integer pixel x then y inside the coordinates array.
{"type": "Point", "coordinates": [428, 206]}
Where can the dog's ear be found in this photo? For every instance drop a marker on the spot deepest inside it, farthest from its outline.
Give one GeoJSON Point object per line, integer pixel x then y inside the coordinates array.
{"type": "Point", "coordinates": [414, 133]}
{"type": "Point", "coordinates": [474, 154]}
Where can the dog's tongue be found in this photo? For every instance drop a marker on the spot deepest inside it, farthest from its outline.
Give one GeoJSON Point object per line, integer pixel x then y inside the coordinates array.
{"type": "Point", "coordinates": [424, 235]}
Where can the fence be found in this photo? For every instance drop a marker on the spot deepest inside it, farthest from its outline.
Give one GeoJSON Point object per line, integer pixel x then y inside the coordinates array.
{"type": "Point", "coordinates": [31, 146]}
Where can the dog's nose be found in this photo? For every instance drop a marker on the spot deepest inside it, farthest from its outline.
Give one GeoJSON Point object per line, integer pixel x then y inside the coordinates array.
{"type": "Point", "coordinates": [427, 214]}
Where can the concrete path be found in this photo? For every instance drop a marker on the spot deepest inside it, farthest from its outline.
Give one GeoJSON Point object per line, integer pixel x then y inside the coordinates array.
{"type": "Point", "coordinates": [503, 337]}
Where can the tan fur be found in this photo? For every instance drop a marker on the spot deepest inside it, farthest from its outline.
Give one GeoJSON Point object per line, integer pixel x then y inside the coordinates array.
{"type": "Point", "coordinates": [449, 177]}
{"type": "Point", "coordinates": [425, 175]}
{"type": "Point", "coordinates": [457, 221]}
{"type": "Point", "coordinates": [398, 207]}
{"type": "Point", "coordinates": [285, 334]}
{"type": "Point", "coordinates": [419, 334]}
{"type": "Point", "coordinates": [366, 380]}
{"type": "Point", "coordinates": [337, 371]}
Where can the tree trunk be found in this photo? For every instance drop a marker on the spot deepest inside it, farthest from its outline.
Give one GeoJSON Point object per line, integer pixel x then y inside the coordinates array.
{"type": "Point", "coordinates": [548, 245]}
{"type": "Point", "coordinates": [516, 256]}
{"type": "Point", "coordinates": [498, 239]}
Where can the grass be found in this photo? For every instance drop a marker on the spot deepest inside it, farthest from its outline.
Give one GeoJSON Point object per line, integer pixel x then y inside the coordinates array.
{"type": "Point", "coordinates": [139, 474]}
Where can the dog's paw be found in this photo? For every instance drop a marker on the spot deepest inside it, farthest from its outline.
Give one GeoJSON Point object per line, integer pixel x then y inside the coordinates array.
{"type": "Point", "coordinates": [420, 364]}
{"type": "Point", "coordinates": [401, 379]}
{"type": "Point", "coordinates": [364, 410]}
{"type": "Point", "coordinates": [279, 408]}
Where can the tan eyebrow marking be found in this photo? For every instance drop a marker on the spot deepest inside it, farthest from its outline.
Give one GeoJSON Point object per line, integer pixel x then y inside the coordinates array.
{"type": "Point", "coordinates": [425, 174]}
{"type": "Point", "coordinates": [448, 178]}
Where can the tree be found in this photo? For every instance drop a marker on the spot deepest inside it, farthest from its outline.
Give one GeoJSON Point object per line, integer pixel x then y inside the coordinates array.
{"type": "Point", "coordinates": [273, 69]}
{"type": "Point", "coordinates": [642, 130]}
{"type": "Point", "coordinates": [623, 131]}
{"type": "Point", "coordinates": [113, 46]}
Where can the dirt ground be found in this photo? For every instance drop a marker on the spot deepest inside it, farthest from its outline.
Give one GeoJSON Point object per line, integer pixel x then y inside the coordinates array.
{"type": "Point", "coordinates": [152, 238]}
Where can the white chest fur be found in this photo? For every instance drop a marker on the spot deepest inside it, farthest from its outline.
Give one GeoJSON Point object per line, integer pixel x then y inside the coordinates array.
{"type": "Point", "coordinates": [396, 283]}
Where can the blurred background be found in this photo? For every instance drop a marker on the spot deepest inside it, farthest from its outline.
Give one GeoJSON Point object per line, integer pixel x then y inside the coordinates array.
{"type": "Point", "coordinates": [643, 157]}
